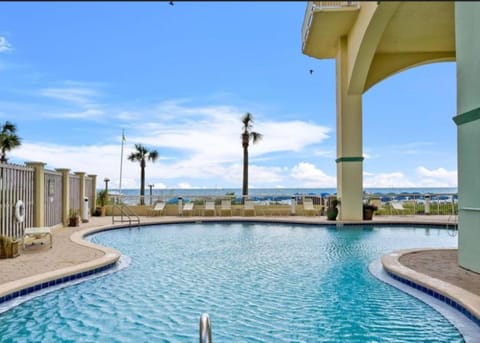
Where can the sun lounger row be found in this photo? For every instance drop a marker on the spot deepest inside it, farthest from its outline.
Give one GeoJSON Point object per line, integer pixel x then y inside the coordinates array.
{"type": "Point", "coordinates": [249, 208]}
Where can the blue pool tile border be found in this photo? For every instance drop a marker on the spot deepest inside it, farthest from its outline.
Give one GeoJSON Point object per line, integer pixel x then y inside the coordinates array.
{"type": "Point", "coordinates": [51, 283]}
{"type": "Point", "coordinates": [447, 300]}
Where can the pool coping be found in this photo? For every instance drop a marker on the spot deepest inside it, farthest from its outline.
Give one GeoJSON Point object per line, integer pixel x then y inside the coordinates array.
{"type": "Point", "coordinates": [13, 289]}
{"type": "Point", "coordinates": [462, 300]}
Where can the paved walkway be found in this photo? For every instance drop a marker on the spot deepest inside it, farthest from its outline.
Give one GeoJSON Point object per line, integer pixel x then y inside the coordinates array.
{"type": "Point", "coordinates": [39, 259]}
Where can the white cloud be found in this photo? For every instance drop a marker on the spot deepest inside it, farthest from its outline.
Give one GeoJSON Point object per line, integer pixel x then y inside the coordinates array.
{"type": "Point", "coordinates": [184, 185]}
{"type": "Point", "coordinates": [212, 133]}
{"type": "Point", "coordinates": [386, 180]}
{"type": "Point", "coordinates": [5, 46]}
{"type": "Point", "coordinates": [76, 95]}
{"type": "Point", "coordinates": [307, 175]}
{"type": "Point", "coordinates": [437, 177]}
{"type": "Point", "coordinates": [91, 114]}
{"type": "Point", "coordinates": [423, 178]}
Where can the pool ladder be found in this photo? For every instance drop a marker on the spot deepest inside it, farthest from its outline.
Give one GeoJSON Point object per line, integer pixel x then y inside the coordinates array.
{"type": "Point", "coordinates": [127, 212]}
{"type": "Point", "coordinates": [452, 225]}
{"type": "Point", "coordinates": [205, 329]}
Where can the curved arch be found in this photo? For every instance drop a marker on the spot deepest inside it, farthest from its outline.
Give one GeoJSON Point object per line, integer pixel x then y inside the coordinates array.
{"type": "Point", "coordinates": [364, 39]}
{"type": "Point", "coordinates": [388, 38]}
{"type": "Point", "coordinates": [386, 65]}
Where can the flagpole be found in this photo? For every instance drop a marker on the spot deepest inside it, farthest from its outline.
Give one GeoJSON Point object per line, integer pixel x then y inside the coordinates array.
{"type": "Point", "coordinates": [121, 165]}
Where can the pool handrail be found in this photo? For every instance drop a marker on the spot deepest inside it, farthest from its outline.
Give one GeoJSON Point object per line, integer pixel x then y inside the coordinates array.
{"type": "Point", "coordinates": [205, 329]}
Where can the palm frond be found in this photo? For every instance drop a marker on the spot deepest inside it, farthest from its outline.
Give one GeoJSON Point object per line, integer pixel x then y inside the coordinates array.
{"type": "Point", "coordinates": [256, 136]}
{"type": "Point", "coordinates": [153, 155]}
{"type": "Point", "coordinates": [8, 127]}
{"type": "Point", "coordinates": [247, 121]}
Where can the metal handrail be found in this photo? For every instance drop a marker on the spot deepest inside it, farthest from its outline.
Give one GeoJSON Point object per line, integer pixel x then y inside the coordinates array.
{"type": "Point", "coordinates": [205, 329]}
{"type": "Point", "coordinates": [125, 211]}
{"type": "Point", "coordinates": [453, 222]}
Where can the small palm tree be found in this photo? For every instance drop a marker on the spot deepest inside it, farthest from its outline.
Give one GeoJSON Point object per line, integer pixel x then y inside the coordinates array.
{"type": "Point", "coordinates": [8, 140]}
{"type": "Point", "coordinates": [141, 155]}
{"type": "Point", "coordinates": [247, 135]}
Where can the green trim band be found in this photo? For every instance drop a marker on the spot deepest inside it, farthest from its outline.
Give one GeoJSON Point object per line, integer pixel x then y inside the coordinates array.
{"type": "Point", "coordinates": [350, 159]}
{"type": "Point", "coordinates": [467, 117]}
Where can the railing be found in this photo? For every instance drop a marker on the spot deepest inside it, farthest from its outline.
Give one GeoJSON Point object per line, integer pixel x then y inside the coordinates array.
{"type": "Point", "coordinates": [127, 212]}
{"type": "Point", "coordinates": [74, 200]}
{"type": "Point", "coordinates": [335, 4]}
{"type": "Point", "coordinates": [16, 184]}
{"type": "Point", "coordinates": [205, 329]}
{"type": "Point", "coordinates": [321, 5]}
{"type": "Point", "coordinates": [261, 199]}
{"type": "Point", "coordinates": [416, 204]}
{"type": "Point", "coordinates": [413, 203]}
{"type": "Point", "coordinates": [452, 225]}
{"type": "Point", "coordinates": [53, 198]}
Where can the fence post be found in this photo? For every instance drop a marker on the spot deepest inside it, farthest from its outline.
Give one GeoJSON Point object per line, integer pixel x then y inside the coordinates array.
{"type": "Point", "coordinates": [82, 190]}
{"type": "Point", "coordinates": [93, 205]}
{"type": "Point", "coordinates": [39, 198]}
{"type": "Point", "coordinates": [66, 194]}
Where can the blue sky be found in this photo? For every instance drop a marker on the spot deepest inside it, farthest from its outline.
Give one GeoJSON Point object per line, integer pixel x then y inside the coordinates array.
{"type": "Point", "coordinates": [179, 78]}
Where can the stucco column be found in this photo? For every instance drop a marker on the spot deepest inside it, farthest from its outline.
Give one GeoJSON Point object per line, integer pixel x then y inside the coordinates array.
{"type": "Point", "coordinates": [82, 190]}
{"type": "Point", "coordinates": [349, 141]}
{"type": "Point", "coordinates": [94, 192]}
{"type": "Point", "coordinates": [467, 17]}
{"type": "Point", "coordinates": [39, 203]}
{"type": "Point", "coordinates": [65, 194]}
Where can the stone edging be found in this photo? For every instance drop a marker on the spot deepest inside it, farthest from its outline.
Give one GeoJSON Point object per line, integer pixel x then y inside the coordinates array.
{"type": "Point", "coordinates": [14, 289]}
{"type": "Point", "coordinates": [460, 299]}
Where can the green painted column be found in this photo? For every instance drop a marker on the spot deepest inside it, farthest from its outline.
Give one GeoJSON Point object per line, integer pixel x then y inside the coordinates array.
{"type": "Point", "coordinates": [467, 26]}
{"type": "Point", "coordinates": [349, 141]}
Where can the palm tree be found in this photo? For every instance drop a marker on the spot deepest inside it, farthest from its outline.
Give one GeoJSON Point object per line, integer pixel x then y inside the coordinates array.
{"type": "Point", "coordinates": [141, 155]}
{"type": "Point", "coordinates": [247, 135]}
{"type": "Point", "coordinates": [8, 140]}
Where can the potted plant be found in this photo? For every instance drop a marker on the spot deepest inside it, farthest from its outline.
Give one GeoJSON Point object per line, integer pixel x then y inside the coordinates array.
{"type": "Point", "coordinates": [332, 210]}
{"type": "Point", "coordinates": [74, 218]}
{"type": "Point", "coordinates": [8, 247]}
{"type": "Point", "coordinates": [102, 200]}
{"type": "Point", "coordinates": [368, 210]}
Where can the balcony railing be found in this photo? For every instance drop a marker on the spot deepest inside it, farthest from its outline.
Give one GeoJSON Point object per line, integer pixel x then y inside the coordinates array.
{"type": "Point", "coordinates": [335, 4]}
{"type": "Point", "coordinates": [322, 5]}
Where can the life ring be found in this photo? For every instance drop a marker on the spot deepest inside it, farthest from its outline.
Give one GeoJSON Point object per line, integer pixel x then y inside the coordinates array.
{"type": "Point", "coordinates": [20, 211]}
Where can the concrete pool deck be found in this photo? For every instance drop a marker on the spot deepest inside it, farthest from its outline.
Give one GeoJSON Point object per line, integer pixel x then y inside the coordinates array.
{"type": "Point", "coordinates": [436, 269]}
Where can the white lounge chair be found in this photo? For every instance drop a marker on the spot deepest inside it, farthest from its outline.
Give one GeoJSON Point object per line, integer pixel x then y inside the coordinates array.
{"type": "Point", "coordinates": [188, 208]}
{"type": "Point", "coordinates": [226, 207]}
{"type": "Point", "coordinates": [158, 208]}
{"type": "Point", "coordinates": [209, 207]}
{"type": "Point", "coordinates": [397, 207]}
{"type": "Point", "coordinates": [249, 207]}
{"type": "Point", "coordinates": [36, 233]}
{"type": "Point", "coordinates": [308, 207]}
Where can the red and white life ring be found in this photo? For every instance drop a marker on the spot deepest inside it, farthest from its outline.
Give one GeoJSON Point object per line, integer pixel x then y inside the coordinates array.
{"type": "Point", "coordinates": [20, 211]}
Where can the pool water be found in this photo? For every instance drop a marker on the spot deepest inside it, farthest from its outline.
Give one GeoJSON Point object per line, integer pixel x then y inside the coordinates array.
{"type": "Point", "coordinates": [257, 282]}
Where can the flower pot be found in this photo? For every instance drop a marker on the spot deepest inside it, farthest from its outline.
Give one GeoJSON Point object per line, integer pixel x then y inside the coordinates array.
{"type": "Point", "coordinates": [9, 248]}
{"type": "Point", "coordinates": [332, 213]}
{"type": "Point", "coordinates": [74, 221]}
{"type": "Point", "coordinates": [100, 211]}
{"type": "Point", "coordinates": [367, 214]}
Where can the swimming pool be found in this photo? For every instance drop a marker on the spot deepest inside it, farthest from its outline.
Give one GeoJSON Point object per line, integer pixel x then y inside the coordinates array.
{"type": "Point", "coordinates": [258, 282]}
